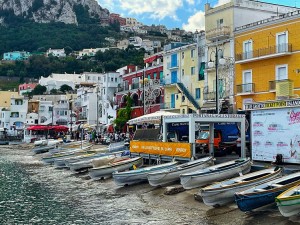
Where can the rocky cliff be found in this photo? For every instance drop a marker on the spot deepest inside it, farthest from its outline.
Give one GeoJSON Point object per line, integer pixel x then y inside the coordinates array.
{"type": "Point", "coordinates": [45, 11]}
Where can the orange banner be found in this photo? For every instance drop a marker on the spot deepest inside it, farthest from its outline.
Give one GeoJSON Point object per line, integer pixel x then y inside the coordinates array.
{"type": "Point", "coordinates": [162, 148]}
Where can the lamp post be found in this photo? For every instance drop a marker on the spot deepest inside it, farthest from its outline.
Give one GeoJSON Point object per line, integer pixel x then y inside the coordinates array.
{"type": "Point", "coordinates": [210, 65]}
{"type": "Point", "coordinates": [97, 113]}
{"type": "Point", "coordinates": [71, 115]}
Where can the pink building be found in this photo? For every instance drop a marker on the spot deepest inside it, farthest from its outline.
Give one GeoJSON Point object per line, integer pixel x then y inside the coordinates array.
{"type": "Point", "coordinates": [23, 88]}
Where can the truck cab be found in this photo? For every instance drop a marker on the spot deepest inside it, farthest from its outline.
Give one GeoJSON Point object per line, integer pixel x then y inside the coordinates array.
{"type": "Point", "coordinates": [202, 141]}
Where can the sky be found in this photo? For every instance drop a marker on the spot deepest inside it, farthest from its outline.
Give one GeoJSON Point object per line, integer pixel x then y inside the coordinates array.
{"type": "Point", "coordinates": [183, 14]}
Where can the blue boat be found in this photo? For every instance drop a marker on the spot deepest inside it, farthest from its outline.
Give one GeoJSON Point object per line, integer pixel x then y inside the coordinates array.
{"type": "Point", "coordinates": [264, 194]}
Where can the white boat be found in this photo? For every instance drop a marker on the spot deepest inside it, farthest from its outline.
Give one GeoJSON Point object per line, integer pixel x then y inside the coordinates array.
{"type": "Point", "coordinates": [88, 163]}
{"type": "Point", "coordinates": [162, 177]}
{"type": "Point", "coordinates": [221, 193]}
{"type": "Point", "coordinates": [289, 202]}
{"type": "Point", "coordinates": [139, 175]}
{"type": "Point", "coordinates": [215, 173]}
{"type": "Point", "coordinates": [107, 170]}
{"type": "Point", "coordinates": [80, 151]}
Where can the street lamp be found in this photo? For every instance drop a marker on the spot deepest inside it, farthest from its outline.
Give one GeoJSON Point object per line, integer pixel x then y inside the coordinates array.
{"type": "Point", "coordinates": [218, 61]}
{"type": "Point", "coordinates": [71, 115]}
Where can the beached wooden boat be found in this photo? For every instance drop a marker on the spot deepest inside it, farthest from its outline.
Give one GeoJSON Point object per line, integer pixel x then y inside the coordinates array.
{"type": "Point", "coordinates": [50, 158]}
{"type": "Point", "coordinates": [102, 160]}
{"type": "Point", "coordinates": [42, 149]}
{"type": "Point", "coordinates": [162, 177]}
{"type": "Point", "coordinates": [288, 202]}
{"type": "Point", "coordinates": [69, 147]}
{"type": "Point", "coordinates": [221, 193]}
{"type": "Point", "coordinates": [107, 170]}
{"type": "Point", "coordinates": [92, 153]}
{"type": "Point", "coordinates": [265, 194]}
{"type": "Point", "coordinates": [215, 173]}
{"type": "Point", "coordinates": [139, 175]}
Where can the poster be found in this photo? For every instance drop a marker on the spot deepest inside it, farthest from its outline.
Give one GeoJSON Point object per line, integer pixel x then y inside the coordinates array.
{"type": "Point", "coordinates": [276, 131]}
{"type": "Point", "coordinates": [162, 148]}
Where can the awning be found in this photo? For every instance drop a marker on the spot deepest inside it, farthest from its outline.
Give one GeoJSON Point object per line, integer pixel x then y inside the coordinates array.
{"type": "Point", "coordinates": [201, 71]}
{"type": "Point", "coordinates": [57, 128]}
{"type": "Point", "coordinates": [155, 117]}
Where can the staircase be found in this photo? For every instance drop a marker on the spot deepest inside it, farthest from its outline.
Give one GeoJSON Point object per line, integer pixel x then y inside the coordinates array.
{"type": "Point", "coordinates": [185, 91]}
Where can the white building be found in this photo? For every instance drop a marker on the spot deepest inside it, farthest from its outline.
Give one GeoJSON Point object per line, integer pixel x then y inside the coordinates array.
{"type": "Point", "coordinates": [90, 52]}
{"type": "Point", "coordinates": [13, 119]}
{"type": "Point", "coordinates": [56, 52]}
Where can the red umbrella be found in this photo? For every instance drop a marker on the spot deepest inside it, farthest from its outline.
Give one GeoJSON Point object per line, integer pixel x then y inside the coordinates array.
{"type": "Point", "coordinates": [37, 127]}
{"type": "Point", "coordinates": [59, 128]}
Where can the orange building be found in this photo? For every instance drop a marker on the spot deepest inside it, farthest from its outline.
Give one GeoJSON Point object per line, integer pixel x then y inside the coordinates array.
{"type": "Point", "coordinates": [267, 60]}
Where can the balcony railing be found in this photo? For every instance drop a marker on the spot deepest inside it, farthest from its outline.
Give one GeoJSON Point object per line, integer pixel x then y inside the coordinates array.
{"type": "Point", "coordinates": [245, 88]}
{"type": "Point", "coordinates": [209, 95]}
{"type": "Point", "coordinates": [173, 65]}
{"type": "Point", "coordinates": [218, 33]}
{"type": "Point", "coordinates": [272, 50]}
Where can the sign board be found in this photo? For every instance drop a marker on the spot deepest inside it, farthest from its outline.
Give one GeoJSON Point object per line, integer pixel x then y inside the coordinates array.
{"type": "Point", "coordinates": [276, 131]}
{"type": "Point", "coordinates": [268, 105]}
{"type": "Point", "coordinates": [172, 149]}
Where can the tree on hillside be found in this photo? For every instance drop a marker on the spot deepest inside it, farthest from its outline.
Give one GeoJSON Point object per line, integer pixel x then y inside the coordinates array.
{"type": "Point", "coordinates": [65, 88]}
{"type": "Point", "coordinates": [39, 90]}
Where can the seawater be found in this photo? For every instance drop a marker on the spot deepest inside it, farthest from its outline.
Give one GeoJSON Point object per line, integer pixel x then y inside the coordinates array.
{"type": "Point", "coordinates": [26, 201]}
{"type": "Point", "coordinates": [34, 193]}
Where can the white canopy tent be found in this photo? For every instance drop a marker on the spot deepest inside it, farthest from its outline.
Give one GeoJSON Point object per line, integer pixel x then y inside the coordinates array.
{"type": "Point", "coordinates": [155, 117]}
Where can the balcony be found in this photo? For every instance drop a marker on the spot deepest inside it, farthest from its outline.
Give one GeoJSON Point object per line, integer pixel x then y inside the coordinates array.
{"type": "Point", "coordinates": [209, 95]}
{"type": "Point", "coordinates": [173, 65]}
{"type": "Point", "coordinates": [220, 33]}
{"type": "Point", "coordinates": [284, 89]}
{"type": "Point", "coordinates": [167, 105]}
{"type": "Point", "coordinates": [272, 85]}
{"type": "Point", "coordinates": [245, 89]}
{"type": "Point", "coordinates": [264, 53]}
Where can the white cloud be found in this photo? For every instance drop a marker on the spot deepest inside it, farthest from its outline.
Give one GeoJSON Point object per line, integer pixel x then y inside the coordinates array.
{"type": "Point", "coordinates": [221, 2]}
{"type": "Point", "coordinates": [190, 2]}
{"type": "Point", "coordinates": [195, 22]}
{"type": "Point", "coordinates": [155, 9]}
{"type": "Point", "coordinates": [108, 4]}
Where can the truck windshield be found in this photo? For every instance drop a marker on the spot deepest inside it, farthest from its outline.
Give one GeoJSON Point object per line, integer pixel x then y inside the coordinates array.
{"type": "Point", "coordinates": [203, 135]}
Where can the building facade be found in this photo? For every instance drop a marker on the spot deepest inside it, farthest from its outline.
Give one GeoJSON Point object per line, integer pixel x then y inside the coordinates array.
{"type": "Point", "coordinates": [267, 60]}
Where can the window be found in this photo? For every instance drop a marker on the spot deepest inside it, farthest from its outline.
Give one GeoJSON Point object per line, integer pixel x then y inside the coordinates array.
{"type": "Point", "coordinates": [154, 76]}
{"type": "Point", "coordinates": [281, 42]}
{"type": "Point", "coordinates": [192, 70]}
{"type": "Point", "coordinates": [192, 53]}
{"type": "Point", "coordinates": [116, 79]}
{"type": "Point", "coordinates": [182, 72]}
{"type": "Point", "coordinates": [247, 49]}
{"type": "Point", "coordinates": [219, 23]}
{"type": "Point", "coordinates": [182, 55]}
{"type": "Point", "coordinates": [281, 72]}
{"type": "Point", "coordinates": [198, 93]}
{"type": "Point", "coordinates": [247, 81]}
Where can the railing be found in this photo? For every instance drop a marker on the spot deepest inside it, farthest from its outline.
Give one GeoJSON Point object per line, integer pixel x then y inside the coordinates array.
{"type": "Point", "coordinates": [174, 65]}
{"type": "Point", "coordinates": [209, 95]}
{"type": "Point", "coordinates": [188, 95]}
{"type": "Point", "coordinates": [282, 48]}
{"type": "Point", "coordinates": [245, 88]}
{"type": "Point", "coordinates": [219, 32]}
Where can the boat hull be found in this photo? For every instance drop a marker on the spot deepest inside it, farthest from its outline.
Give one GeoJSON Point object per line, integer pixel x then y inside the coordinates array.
{"type": "Point", "coordinates": [168, 176]}
{"type": "Point", "coordinates": [289, 202]}
{"type": "Point", "coordinates": [222, 193]}
{"type": "Point", "coordinates": [106, 171]}
{"type": "Point", "coordinates": [198, 180]}
{"type": "Point", "coordinates": [140, 175]}
{"type": "Point", "coordinates": [249, 203]}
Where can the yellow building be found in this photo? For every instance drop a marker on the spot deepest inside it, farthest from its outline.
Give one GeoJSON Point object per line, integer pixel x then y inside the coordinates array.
{"type": "Point", "coordinates": [5, 98]}
{"type": "Point", "coordinates": [268, 60]}
{"type": "Point", "coordinates": [182, 80]}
